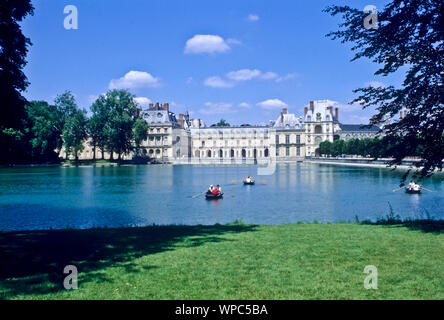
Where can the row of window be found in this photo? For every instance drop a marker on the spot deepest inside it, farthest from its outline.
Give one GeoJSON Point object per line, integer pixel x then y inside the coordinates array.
{"type": "Point", "coordinates": [287, 151]}
{"type": "Point", "coordinates": [287, 139]}
{"type": "Point", "coordinates": [232, 153]}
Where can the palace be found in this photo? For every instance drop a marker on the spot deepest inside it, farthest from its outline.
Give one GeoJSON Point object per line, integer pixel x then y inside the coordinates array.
{"type": "Point", "coordinates": [173, 139]}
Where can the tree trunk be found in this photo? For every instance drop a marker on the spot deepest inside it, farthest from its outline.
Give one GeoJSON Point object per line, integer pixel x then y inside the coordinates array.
{"type": "Point", "coordinates": [111, 155]}
{"type": "Point", "coordinates": [94, 153]}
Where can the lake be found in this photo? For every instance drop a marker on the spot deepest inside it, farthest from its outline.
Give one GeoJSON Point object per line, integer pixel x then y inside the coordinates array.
{"type": "Point", "coordinates": [86, 197]}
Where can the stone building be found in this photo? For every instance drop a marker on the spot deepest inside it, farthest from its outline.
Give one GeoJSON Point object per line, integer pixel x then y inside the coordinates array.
{"type": "Point", "coordinates": [180, 139]}
{"type": "Point", "coordinates": [168, 137]}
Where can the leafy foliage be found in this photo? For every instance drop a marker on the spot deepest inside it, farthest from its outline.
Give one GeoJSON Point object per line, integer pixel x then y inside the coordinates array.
{"type": "Point", "coordinates": [409, 40]}
{"type": "Point", "coordinates": [13, 50]}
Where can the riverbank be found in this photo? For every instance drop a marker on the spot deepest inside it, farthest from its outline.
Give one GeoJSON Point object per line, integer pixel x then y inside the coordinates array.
{"type": "Point", "coordinates": [236, 261]}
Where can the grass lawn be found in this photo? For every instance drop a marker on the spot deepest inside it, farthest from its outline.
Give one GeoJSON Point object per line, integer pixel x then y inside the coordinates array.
{"type": "Point", "coordinates": [297, 261]}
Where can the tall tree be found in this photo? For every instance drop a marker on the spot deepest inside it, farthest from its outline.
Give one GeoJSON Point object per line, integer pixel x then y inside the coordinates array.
{"type": "Point", "coordinates": [123, 112]}
{"type": "Point", "coordinates": [140, 131]}
{"type": "Point", "coordinates": [75, 133]}
{"type": "Point", "coordinates": [409, 39]}
{"type": "Point", "coordinates": [13, 50]}
{"type": "Point", "coordinates": [99, 125]}
{"type": "Point", "coordinates": [43, 122]}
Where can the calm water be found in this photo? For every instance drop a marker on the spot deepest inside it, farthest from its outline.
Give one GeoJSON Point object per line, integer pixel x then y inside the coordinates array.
{"type": "Point", "coordinates": [54, 197]}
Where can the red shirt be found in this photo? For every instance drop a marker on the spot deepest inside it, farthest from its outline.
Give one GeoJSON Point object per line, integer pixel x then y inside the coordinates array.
{"type": "Point", "coordinates": [215, 191]}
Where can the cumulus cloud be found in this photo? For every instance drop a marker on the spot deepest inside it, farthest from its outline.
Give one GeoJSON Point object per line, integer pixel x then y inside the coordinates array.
{"type": "Point", "coordinates": [234, 77]}
{"type": "Point", "coordinates": [244, 105]}
{"type": "Point", "coordinates": [142, 101]}
{"type": "Point", "coordinates": [253, 17]}
{"type": "Point", "coordinates": [243, 74]}
{"type": "Point", "coordinates": [217, 108]}
{"type": "Point", "coordinates": [134, 80]}
{"type": "Point", "coordinates": [217, 82]}
{"type": "Point", "coordinates": [272, 104]}
{"type": "Point", "coordinates": [206, 43]}
{"type": "Point", "coordinates": [286, 77]}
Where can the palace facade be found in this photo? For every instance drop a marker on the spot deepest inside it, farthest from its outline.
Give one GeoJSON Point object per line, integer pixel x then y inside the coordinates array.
{"type": "Point", "coordinates": [179, 139]}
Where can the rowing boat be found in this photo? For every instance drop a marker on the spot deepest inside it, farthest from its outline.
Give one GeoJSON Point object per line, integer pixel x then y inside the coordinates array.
{"type": "Point", "coordinates": [211, 196]}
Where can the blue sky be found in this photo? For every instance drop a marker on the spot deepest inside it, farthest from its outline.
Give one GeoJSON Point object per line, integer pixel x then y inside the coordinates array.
{"type": "Point", "coordinates": [237, 60]}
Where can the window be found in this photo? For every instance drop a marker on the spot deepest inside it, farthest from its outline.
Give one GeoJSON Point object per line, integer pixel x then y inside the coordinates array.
{"type": "Point", "coordinates": [287, 139]}
{"type": "Point", "coordinates": [277, 151]}
{"type": "Point", "coordinates": [318, 129]}
{"type": "Point", "coordinates": [298, 151]}
{"type": "Point", "coordinates": [298, 139]}
{"type": "Point", "coordinates": [203, 143]}
{"type": "Point", "coordinates": [277, 139]}
{"type": "Point", "coordinates": [287, 151]}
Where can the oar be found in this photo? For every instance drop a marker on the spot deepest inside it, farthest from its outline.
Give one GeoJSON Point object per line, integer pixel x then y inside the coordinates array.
{"type": "Point", "coordinates": [199, 194]}
{"type": "Point", "coordinates": [427, 189]}
{"type": "Point", "coordinates": [398, 189]}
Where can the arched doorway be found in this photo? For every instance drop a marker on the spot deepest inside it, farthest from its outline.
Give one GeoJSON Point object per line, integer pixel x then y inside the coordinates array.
{"type": "Point", "coordinates": [266, 153]}
{"type": "Point", "coordinates": [244, 153]}
{"type": "Point", "coordinates": [232, 153]}
{"type": "Point", "coordinates": [221, 153]}
{"type": "Point", "coordinates": [209, 153]}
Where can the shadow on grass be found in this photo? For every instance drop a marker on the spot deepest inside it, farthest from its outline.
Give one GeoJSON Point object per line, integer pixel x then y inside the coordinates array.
{"type": "Point", "coordinates": [32, 262]}
{"type": "Point", "coordinates": [425, 225]}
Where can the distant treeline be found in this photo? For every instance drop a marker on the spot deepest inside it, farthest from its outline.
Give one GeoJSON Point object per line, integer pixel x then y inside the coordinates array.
{"type": "Point", "coordinates": [385, 147]}
{"type": "Point", "coordinates": [114, 126]}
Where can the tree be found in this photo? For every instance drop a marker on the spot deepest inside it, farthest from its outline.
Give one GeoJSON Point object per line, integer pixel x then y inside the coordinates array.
{"type": "Point", "coordinates": [99, 125]}
{"type": "Point", "coordinates": [325, 148]}
{"type": "Point", "coordinates": [408, 40]}
{"type": "Point", "coordinates": [75, 133]}
{"type": "Point", "coordinates": [66, 104]}
{"type": "Point", "coordinates": [140, 132]}
{"type": "Point", "coordinates": [222, 123]}
{"type": "Point", "coordinates": [123, 112]}
{"type": "Point", "coordinates": [337, 148]}
{"type": "Point", "coordinates": [43, 123]}
{"type": "Point", "coordinates": [13, 50]}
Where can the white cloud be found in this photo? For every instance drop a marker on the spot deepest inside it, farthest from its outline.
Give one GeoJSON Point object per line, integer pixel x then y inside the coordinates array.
{"type": "Point", "coordinates": [142, 101]}
{"type": "Point", "coordinates": [244, 105]}
{"type": "Point", "coordinates": [269, 76]}
{"type": "Point", "coordinates": [189, 80]}
{"type": "Point", "coordinates": [272, 104]}
{"type": "Point", "coordinates": [287, 77]}
{"type": "Point", "coordinates": [202, 43]}
{"type": "Point", "coordinates": [217, 82]}
{"type": "Point", "coordinates": [133, 80]}
{"type": "Point", "coordinates": [234, 77]}
{"type": "Point", "coordinates": [217, 108]}
{"type": "Point", "coordinates": [253, 17]}
{"type": "Point", "coordinates": [243, 74]}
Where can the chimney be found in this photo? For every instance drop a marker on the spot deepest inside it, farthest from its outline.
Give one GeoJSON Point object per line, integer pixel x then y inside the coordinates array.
{"type": "Point", "coordinates": [181, 121]}
{"type": "Point", "coordinates": [330, 108]}
{"type": "Point", "coordinates": [200, 123]}
{"type": "Point", "coordinates": [157, 105]}
{"type": "Point", "coordinates": [305, 111]}
{"type": "Point", "coordinates": [284, 110]}
{"type": "Point", "coordinates": [337, 113]}
{"type": "Point", "coordinates": [312, 106]}
{"type": "Point", "coordinates": [151, 106]}
{"type": "Point", "coordinates": [166, 106]}
{"type": "Point", "coordinates": [282, 117]}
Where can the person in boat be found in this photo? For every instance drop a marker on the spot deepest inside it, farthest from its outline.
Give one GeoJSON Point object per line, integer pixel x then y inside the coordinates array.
{"type": "Point", "coordinates": [413, 186]}
{"type": "Point", "coordinates": [210, 189]}
{"type": "Point", "coordinates": [216, 190]}
{"type": "Point", "coordinates": [248, 180]}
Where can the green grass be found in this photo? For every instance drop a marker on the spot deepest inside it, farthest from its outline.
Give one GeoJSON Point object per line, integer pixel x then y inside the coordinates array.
{"type": "Point", "coordinates": [237, 261]}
